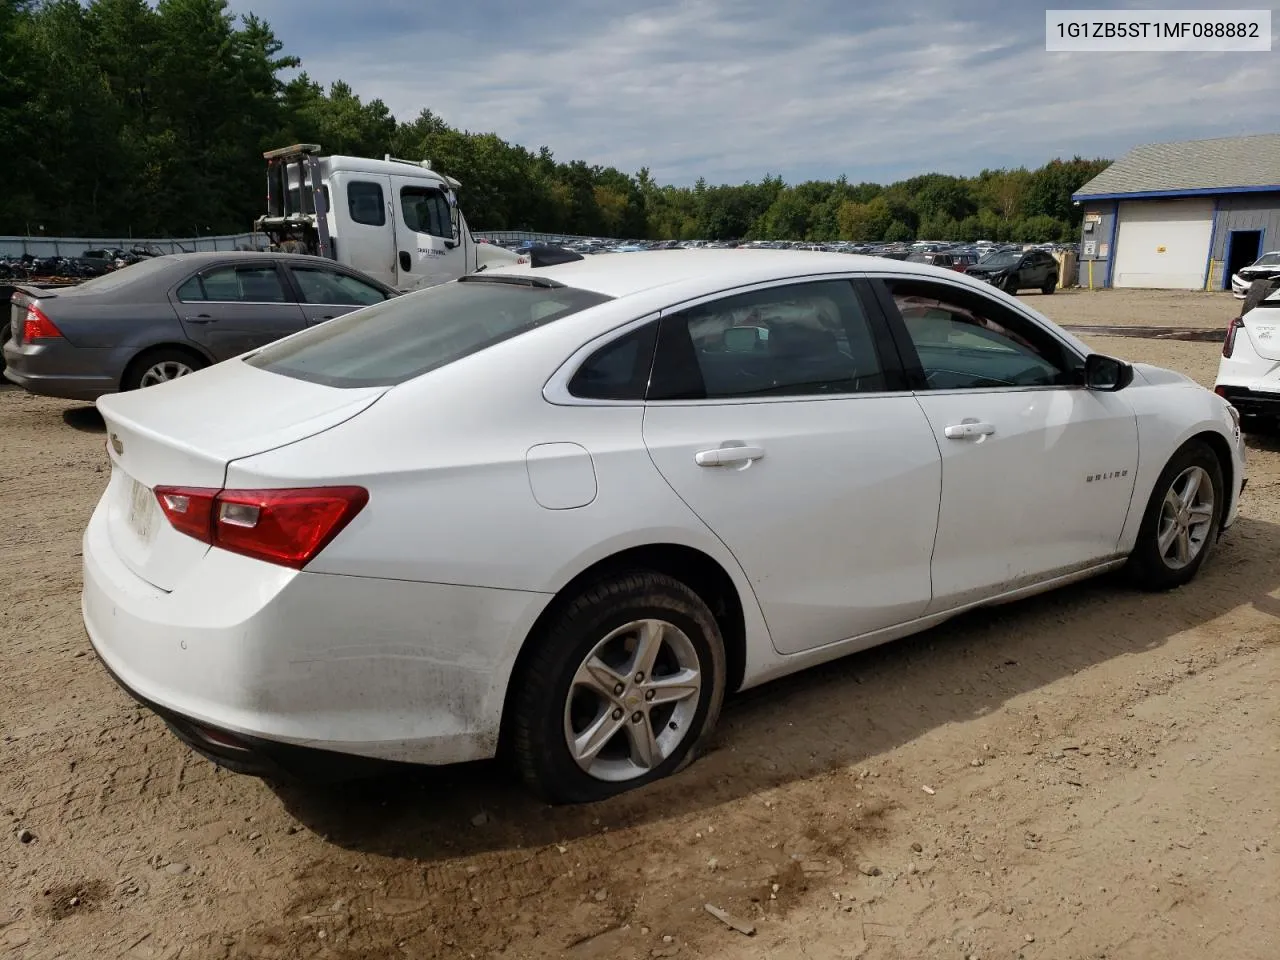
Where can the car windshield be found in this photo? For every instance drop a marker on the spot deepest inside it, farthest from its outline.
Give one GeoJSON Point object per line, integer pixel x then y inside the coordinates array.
{"type": "Point", "coordinates": [407, 336]}
{"type": "Point", "coordinates": [1268, 260]}
{"type": "Point", "coordinates": [1001, 258]}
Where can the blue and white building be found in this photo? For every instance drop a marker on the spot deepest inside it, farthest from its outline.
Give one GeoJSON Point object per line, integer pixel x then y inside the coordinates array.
{"type": "Point", "coordinates": [1181, 216]}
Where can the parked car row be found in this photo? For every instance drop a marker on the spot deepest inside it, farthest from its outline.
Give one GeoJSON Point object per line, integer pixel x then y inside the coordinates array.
{"type": "Point", "coordinates": [892, 250]}
{"type": "Point", "coordinates": [91, 263]}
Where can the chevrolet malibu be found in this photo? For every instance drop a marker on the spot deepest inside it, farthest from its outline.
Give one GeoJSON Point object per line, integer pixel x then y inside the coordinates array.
{"type": "Point", "coordinates": [567, 509]}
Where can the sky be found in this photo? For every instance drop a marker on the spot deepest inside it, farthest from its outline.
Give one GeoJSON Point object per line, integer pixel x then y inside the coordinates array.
{"type": "Point", "coordinates": [731, 90]}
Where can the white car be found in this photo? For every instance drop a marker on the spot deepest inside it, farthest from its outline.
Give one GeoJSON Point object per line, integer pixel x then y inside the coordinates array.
{"type": "Point", "coordinates": [1266, 267]}
{"type": "Point", "coordinates": [1249, 371]}
{"type": "Point", "coordinates": [568, 509]}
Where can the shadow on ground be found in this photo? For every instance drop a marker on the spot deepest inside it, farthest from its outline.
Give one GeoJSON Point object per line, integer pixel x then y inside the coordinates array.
{"type": "Point", "coordinates": [84, 419]}
{"type": "Point", "coordinates": [827, 717]}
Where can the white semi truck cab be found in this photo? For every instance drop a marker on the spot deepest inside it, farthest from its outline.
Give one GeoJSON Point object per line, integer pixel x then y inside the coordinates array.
{"type": "Point", "coordinates": [395, 220]}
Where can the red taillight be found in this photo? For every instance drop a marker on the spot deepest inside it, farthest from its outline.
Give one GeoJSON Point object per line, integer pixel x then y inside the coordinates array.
{"type": "Point", "coordinates": [1229, 344]}
{"type": "Point", "coordinates": [189, 510]}
{"type": "Point", "coordinates": [37, 326]}
{"type": "Point", "coordinates": [288, 527]}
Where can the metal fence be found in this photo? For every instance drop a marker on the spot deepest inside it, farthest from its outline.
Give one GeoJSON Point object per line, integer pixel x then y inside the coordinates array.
{"type": "Point", "coordinates": [76, 246]}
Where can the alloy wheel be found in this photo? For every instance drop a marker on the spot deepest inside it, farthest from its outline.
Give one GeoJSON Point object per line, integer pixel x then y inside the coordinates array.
{"type": "Point", "coordinates": [164, 371]}
{"type": "Point", "coordinates": [1186, 518]}
{"type": "Point", "coordinates": [632, 701]}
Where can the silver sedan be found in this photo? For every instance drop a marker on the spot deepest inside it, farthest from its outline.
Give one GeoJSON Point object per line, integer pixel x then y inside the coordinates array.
{"type": "Point", "coordinates": [162, 318]}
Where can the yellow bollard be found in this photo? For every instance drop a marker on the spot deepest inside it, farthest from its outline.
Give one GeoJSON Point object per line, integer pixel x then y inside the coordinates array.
{"type": "Point", "coordinates": [1090, 274]}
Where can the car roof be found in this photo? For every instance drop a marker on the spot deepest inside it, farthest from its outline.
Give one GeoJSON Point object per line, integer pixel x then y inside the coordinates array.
{"type": "Point", "coordinates": [710, 271]}
{"type": "Point", "coordinates": [208, 256]}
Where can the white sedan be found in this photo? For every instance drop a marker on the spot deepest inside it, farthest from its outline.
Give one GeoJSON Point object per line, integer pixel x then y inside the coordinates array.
{"type": "Point", "coordinates": [1249, 371]}
{"type": "Point", "coordinates": [568, 509]}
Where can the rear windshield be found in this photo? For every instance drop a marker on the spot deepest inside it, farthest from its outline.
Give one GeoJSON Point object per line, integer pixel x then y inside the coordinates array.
{"type": "Point", "coordinates": [125, 275]}
{"type": "Point", "coordinates": [405, 337]}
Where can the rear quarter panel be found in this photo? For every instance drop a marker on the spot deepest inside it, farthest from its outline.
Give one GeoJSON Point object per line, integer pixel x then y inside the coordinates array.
{"type": "Point", "coordinates": [444, 460]}
{"type": "Point", "coordinates": [87, 323]}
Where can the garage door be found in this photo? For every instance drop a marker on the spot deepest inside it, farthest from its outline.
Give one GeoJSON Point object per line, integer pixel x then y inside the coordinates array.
{"type": "Point", "coordinates": [1163, 244]}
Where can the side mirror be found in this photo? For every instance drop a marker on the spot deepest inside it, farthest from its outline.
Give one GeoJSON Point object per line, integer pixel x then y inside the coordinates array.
{"type": "Point", "coordinates": [1106, 373]}
{"type": "Point", "coordinates": [454, 224]}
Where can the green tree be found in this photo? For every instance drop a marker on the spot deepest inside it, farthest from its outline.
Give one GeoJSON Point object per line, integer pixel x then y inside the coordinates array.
{"type": "Point", "coordinates": [898, 232]}
{"type": "Point", "coordinates": [864, 221]}
{"type": "Point", "coordinates": [151, 117]}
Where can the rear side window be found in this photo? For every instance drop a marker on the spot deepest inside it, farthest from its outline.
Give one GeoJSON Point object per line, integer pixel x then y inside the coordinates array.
{"type": "Point", "coordinates": [804, 339]}
{"type": "Point", "coordinates": [618, 370]}
{"type": "Point", "coordinates": [258, 284]}
{"type": "Point", "coordinates": [365, 203]}
{"type": "Point", "coordinates": [407, 336]}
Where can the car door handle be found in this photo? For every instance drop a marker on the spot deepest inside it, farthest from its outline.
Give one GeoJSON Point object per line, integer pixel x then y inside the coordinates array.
{"type": "Point", "coordinates": [200, 318]}
{"type": "Point", "coordinates": [406, 261]}
{"type": "Point", "coordinates": [725, 455]}
{"type": "Point", "coordinates": [968, 429]}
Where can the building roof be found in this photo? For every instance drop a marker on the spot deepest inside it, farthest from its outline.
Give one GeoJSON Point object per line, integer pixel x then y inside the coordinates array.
{"type": "Point", "coordinates": [1190, 168]}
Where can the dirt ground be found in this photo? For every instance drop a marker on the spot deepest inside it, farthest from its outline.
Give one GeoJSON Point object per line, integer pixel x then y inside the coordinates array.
{"type": "Point", "coordinates": [1088, 774]}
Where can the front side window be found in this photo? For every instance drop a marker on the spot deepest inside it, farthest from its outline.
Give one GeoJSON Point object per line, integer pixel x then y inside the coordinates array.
{"type": "Point", "coordinates": [966, 341]}
{"type": "Point", "coordinates": [332, 288]}
{"type": "Point", "coordinates": [425, 210]}
{"type": "Point", "coordinates": [365, 203]}
{"type": "Point", "coordinates": [806, 339]}
{"type": "Point", "coordinates": [410, 335]}
{"type": "Point", "coordinates": [256, 284]}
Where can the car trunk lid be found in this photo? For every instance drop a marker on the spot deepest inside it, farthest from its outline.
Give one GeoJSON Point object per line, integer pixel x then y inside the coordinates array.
{"type": "Point", "coordinates": [184, 433]}
{"type": "Point", "coordinates": [1262, 324]}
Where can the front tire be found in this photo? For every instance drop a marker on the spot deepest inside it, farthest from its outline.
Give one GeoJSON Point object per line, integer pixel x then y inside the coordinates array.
{"type": "Point", "coordinates": [620, 690]}
{"type": "Point", "coordinates": [1050, 285]}
{"type": "Point", "coordinates": [1182, 519]}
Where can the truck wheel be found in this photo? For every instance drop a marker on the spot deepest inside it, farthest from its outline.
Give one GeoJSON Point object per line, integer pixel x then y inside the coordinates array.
{"type": "Point", "coordinates": [1050, 285]}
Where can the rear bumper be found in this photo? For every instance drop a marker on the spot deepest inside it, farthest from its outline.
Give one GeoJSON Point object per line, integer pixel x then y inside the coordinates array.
{"type": "Point", "coordinates": [255, 756]}
{"type": "Point", "coordinates": [59, 370]}
{"type": "Point", "coordinates": [262, 668]}
{"type": "Point", "coordinates": [1251, 402]}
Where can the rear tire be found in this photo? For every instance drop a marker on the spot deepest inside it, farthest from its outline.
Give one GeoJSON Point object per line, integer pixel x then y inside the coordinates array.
{"type": "Point", "coordinates": [1182, 519]}
{"type": "Point", "coordinates": [1050, 286]}
{"type": "Point", "coordinates": [589, 672]}
{"type": "Point", "coordinates": [159, 365]}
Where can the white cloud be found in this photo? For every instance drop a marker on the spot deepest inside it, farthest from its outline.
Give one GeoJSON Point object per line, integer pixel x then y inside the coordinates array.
{"type": "Point", "coordinates": [734, 90]}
